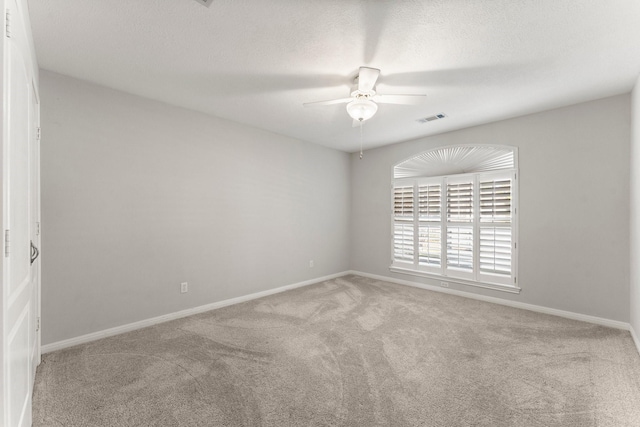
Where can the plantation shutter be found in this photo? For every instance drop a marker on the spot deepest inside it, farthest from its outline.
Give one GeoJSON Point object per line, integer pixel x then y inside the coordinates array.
{"type": "Point", "coordinates": [429, 202]}
{"type": "Point", "coordinates": [495, 250]}
{"type": "Point", "coordinates": [403, 227]}
{"type": "Point", "coordinates": [403, 203]}
{"type": "Point", "coordinates": [460, 226]}
{"type": "Point", "coordinates": [430, 228]}
{"type": "Point", "coordinates": [495, 200]}
{"type": "Point", "coordinates": [403, 242]}
{"type": "Point", "coordinates": [495, 225]}
{"type": "Point", "coordinates": [460, 202]}
{"type": "Point", "coordinates": [460, 248]}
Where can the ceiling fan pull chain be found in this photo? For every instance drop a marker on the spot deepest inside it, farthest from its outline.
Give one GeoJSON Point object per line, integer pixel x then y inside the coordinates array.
{"type": "Point", "coordinates": [361, 139]}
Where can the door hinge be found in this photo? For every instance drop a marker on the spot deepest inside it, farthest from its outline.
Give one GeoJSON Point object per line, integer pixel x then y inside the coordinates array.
{"type": "Point", "coordinates": [38, 132]}
{"type": "Point", "coordinates": [7, 23]}
{"type": "Point", "coordinates": [37, 324]}
{"type": "Point", "coordinates": [515, 280]}
{"type": "Point", "coordinates": [37, 228]}
{"type": "Point", "coordinates": [7, 243]}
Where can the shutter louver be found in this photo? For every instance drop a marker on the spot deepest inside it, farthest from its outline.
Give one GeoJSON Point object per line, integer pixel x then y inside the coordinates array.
{"type": "Point", "coordinates": [460, 202]}
{"type": "Point", "coordinates": [430, 246]}
{"type": "Point", "coordinates": [403, 242]}
{"type": "Point", "coordinates": [496, 242]}
{"type": "Point", "coordinates": [429, 232]}
{"type": "Point", "coordinates": [495, 250]}
{"type": "Point", "coordinates": [403, 203]}
{"type": "Point", "coordinates": [429, 202]}
{"type": "Point", "coordinates": [460, 247]}
{"type": "Point", "coordinates": [495, 201]}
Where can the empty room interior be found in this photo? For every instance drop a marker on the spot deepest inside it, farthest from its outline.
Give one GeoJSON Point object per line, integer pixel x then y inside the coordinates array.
{"type": "Point", "coordinates": [320, 213]}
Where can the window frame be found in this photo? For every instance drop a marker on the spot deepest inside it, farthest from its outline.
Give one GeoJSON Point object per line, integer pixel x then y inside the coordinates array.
{"type": "Point", "coordinates": [444, 273]}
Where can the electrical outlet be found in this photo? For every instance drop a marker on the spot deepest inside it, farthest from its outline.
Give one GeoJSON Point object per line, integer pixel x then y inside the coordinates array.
{"type": "Point", "coordinates": [184, 287]}
{"type": "Point", "coordinates": [444, 284]}
{"type": "Point", "coordinates": [311, 263]}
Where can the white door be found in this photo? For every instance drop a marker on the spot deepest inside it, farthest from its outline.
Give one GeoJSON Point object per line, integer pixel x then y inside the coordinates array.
{"type": "Point", "coordinates": [20, 200]}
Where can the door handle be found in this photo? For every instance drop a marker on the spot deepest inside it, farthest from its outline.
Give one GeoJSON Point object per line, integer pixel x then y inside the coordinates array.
{"type": "Point", "coordinates": [34, 252]}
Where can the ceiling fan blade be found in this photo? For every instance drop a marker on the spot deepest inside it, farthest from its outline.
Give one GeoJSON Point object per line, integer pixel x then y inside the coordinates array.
{"type": "Point", "coordinates": [329, 102]}
{"type": "Point", "coordinates": [400, 99]}
{"type": "Point", "coordinates": [367, 78]}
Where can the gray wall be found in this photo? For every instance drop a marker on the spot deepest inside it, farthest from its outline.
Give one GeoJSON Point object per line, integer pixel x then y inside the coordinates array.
{"type": "Point", "coordinates": [138, 196]}
{"type": "Point", "coordinates": [574, 205]}
{"type": "Point", "coordinates": [635, 209]}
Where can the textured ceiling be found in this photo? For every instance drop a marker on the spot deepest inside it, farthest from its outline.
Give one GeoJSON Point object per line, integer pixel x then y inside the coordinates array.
{"type": "Point", "coordinates": [257, 61]}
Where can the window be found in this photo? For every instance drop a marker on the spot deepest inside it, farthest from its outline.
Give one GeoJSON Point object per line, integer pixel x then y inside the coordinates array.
{"type": "Point", "coordinates": [459, 225]}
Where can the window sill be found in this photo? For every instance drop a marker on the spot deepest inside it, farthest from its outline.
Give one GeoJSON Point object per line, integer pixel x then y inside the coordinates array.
{"type": "Point", "coordinates": [493, 286]}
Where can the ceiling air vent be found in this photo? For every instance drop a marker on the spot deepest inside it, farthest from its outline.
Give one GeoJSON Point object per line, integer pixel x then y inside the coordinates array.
{"type": "Point", "coordinates": [432, 118]}
{"type": "Point", "coordinates": [205, 2]}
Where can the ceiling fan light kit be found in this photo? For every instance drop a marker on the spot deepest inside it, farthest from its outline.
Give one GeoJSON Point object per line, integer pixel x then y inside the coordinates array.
{"type": "Point", "coordinates": [361, 109]}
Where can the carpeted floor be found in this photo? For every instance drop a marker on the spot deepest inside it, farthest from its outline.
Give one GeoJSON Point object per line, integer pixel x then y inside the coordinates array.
{"type": "Point", "coordinates": [348, 352]}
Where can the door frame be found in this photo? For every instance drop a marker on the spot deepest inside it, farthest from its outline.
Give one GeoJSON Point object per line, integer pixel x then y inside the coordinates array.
{"type": "Point", "coordinates": [38, 221]}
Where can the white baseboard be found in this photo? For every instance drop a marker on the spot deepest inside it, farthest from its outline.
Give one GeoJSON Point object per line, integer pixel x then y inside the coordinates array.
{"type": "Point", "coordinates": [635, 338]}
{"type": "Point", "coordinates": [177, 315]}
{"type": "Point", "coordinates": [188, 312]}
{"type": "Point", "coordinates": [531, 307]}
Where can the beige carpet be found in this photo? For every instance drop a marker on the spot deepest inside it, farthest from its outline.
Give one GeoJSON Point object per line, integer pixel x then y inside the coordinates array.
{"type": "Point", "coordinates": [348, 352]}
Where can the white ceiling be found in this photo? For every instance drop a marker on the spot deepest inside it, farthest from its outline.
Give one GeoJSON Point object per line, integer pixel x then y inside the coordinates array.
{"type": "Point", "coordinates": [257, 61]}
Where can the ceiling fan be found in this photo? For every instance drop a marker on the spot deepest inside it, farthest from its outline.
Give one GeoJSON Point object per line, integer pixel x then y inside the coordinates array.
{"type": "Point", "coordinates": [364, 100]}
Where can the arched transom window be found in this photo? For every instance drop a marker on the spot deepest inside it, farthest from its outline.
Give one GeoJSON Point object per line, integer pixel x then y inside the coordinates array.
{"type": "Point", "coordinates": [455, 215]}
